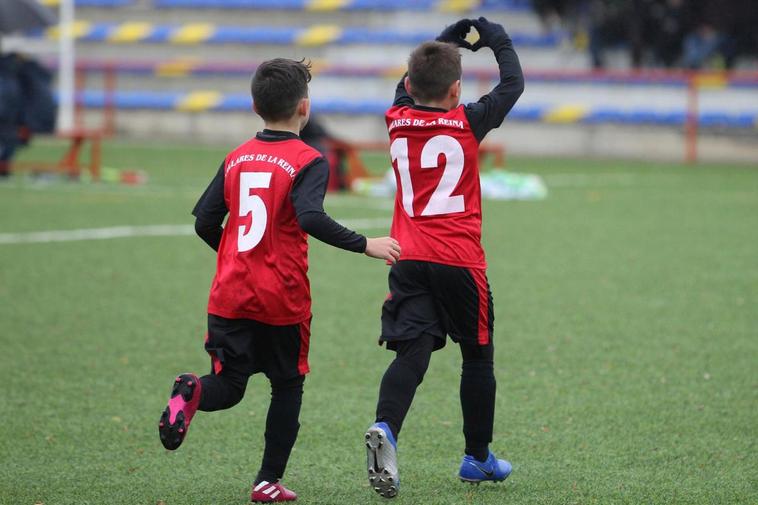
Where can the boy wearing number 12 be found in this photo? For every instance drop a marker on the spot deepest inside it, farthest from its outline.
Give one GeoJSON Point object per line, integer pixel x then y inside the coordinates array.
{"type": "Point", "coordinates": [259, 308]}
{"type": "Point", "coordinates": [439, 287]}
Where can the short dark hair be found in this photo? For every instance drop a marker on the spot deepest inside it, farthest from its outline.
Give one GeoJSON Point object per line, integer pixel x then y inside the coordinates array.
{"type": "Point", "coordinates": [432, 68]}
{"type": "Point", "coordinates": [278, 86]}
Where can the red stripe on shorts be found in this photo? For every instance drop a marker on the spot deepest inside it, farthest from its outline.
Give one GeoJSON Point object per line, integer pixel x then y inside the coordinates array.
{"type": "Point", "coordinates": [483, 328]}
{"type": "Point", "coordinates": [215, 362]}
{"type": "Point", "coordinates": [305, 342]}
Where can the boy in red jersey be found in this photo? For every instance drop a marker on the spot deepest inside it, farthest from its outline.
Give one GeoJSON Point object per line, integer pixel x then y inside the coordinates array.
{"type": "Point", "coordinates": [259, 311]}
{"type": "Point", "coordinates": [439, 287]}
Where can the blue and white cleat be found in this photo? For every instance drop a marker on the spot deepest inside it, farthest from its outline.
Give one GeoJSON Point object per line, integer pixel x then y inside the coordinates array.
{"type": "Point", "coordinates": [474, 471]}
{"type": "Point", "coordinates": [381, 460]}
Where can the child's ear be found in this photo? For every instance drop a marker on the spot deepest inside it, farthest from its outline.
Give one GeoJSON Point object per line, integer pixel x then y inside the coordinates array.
{"type": "Point", "coordinates": [304, 109]}
{"type": "Point", "coordinates": [407, 84]}
{"type": "Point", "coordinates": [255, 108]}
{"type": "Point", "coordinates": [455, 90]}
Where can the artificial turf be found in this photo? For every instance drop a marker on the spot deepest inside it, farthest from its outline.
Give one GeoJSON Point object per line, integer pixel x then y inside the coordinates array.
{"type": "Point", "coordinates": [626, 340]}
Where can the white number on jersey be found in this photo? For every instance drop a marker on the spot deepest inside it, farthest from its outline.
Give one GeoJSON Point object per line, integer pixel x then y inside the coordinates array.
{"type": "Point", "coordinates": [440, 202]}
{"type": "Point", "coordinates": [252, 204]}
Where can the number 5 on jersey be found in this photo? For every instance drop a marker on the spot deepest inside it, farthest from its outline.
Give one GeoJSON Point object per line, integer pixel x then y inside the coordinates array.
{"type": "Point", "coordinates": [441, 201]}
{"type": "Point", "coordinates": [252, 204]}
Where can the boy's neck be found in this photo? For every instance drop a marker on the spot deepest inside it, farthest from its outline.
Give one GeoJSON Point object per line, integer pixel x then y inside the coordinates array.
{"type": "Point", "coordinates": [284, 126]}
{"type": "Point", "coordinates": [436, 105]}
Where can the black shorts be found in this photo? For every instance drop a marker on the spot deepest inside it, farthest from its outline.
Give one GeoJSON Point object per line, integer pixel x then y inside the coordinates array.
{"type": "Point", "coordinates": [248, 347]}
{"type": "Point", "coordinates": [439, 300]}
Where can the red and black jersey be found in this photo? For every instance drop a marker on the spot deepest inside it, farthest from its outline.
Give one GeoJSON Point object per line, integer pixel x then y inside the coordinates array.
{"type": "Point", "coordinates": [273, 189]}
{"type": "Point", "coordinates": [262, 265]}
{"type": "Point", "coordinates": [435, 156]}
{"type": "Point", "coordinates": [438, 215]}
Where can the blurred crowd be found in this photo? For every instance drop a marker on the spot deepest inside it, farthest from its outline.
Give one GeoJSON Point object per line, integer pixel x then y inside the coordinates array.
{"type": "Point", "coordinates": [660, 33]}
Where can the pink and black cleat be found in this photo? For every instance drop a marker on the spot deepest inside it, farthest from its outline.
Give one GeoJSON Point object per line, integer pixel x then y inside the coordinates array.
{"type": "Point", "coordinates": [175, 420]}
{"type": "Point", "coordinates": [266, 492]}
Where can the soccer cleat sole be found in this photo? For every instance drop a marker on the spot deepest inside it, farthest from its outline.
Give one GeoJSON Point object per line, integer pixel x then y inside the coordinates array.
{"type": "Point", "coordinates": [380, 455]}
{"type": "Point", "coordinates": [478, 481]}
{"type": "Point", "coordinates": [272, 501]}
{"type": "Point", "coordinates": [172, 434]}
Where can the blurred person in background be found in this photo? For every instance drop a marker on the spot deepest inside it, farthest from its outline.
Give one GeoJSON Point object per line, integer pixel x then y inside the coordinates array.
{"type": "Point", "coordinates": [668, 21]}
{"type": "Point", "coordinates": [567, 16]}
{"type": "Point", "coordinates": [27, 105]}
{"type": "Point", "coordinates": [722, 32]}
{"type": "Point", "coordinates": [614, 23]}
{"type": "Point", "coordinates": [10, 112]}
{"type": "Point", "coordinates": [318, 137]}
{"type": "Point", "coordinates": [553, 13]}
{"type": "Point", "coordinates": [689, 33]}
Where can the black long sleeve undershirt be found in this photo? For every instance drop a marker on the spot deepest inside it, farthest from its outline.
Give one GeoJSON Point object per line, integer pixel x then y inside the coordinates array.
{"type": "Point", "coordinates": [307, 196]}
{"type": "Point", "coordinates": [210, 233]}
{"type": "Point", "coordinates": [210, 211]}
{"type": "Point", "coordinates": [489, 112]}
{"type": "Point", "coordinates": [402, 98]}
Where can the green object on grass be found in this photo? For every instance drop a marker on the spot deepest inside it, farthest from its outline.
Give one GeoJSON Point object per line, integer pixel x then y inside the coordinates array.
{"type": "Point", "coordinates": [496, 184]}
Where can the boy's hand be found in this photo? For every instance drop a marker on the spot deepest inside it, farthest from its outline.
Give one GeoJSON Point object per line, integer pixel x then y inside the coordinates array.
{"type": "Point", "coordinates": [488, 33]}
{"type": "Point", "coordinates": [456, 33]}
{"type": "Point", "coordinates": [383, 248]}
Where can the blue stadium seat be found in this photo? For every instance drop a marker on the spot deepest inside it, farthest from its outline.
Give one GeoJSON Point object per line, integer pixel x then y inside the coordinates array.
{"type": "Point", "coordinates": [98, 32]}
{"type": "Point", "coordinates": [130, 99]}
{"type": "Point", "coordinates": [720, 119]}
{"type": "Point", "coordinates": [603, 115]}
{"type": "Point", "coordinates": [390, 36]}
{"type": "Point", "coordinates": [97, 3]}
{"type": "Point", "coordinates": [102, 32]}
{"type": "Point", "coordinates": [253, 35]}
{"type": "Point", "coordinates": [168, 100]}
{"type": "Point", "coordinates": [232, 4]}
{"type": "Point", "coordinates": [527, 112]}
{"type": "Point", "coordinates": [511, 5]}
{"type": "Point", "coordinates": [350, 5]}
{"type": "Point", "coordinates": [234, 102]}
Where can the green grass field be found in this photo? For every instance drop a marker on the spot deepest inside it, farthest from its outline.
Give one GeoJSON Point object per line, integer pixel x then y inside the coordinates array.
{"type": "Point", "coordinates": [626, 334]}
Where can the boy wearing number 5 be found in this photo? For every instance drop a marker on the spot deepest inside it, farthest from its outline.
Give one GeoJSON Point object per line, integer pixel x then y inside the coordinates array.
{"type": "Point", "coordinates": [439, 287]}
{"type": "Point", "coordinates": [259, 310]}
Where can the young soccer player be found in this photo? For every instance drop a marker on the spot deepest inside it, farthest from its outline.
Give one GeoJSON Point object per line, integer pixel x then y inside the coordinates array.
{"type": "Point", "coordinates": [259, 309]}
{"type": "Point", "coordinates": [439, 287]}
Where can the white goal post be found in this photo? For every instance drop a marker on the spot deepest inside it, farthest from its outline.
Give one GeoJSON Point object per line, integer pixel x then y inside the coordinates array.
{"type": "Point", "coordinates": [66, 66]}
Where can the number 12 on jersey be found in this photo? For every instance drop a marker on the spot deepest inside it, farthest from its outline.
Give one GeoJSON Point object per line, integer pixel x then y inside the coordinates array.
{"type": "Point", "coordinates": [441, 201]}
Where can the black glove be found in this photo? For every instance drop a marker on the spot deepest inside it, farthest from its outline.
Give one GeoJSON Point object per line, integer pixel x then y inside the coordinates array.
{"type": "Point", "coordinates": [489, 33]}
{"type": "Point", "coordinates": [456, 33]}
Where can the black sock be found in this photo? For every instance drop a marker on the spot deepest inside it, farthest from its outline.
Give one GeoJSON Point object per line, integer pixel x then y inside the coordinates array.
{"type": "Point", "coordinates": [396, 395]}
{"type": "Point", "coordinates": [478, 401]}
{"type": "Point", "coordinates": [401, 380]}
{"type": "Point", "coordinates": [282, 426]}
{"type": "Point", "coordinates": [221, 392]}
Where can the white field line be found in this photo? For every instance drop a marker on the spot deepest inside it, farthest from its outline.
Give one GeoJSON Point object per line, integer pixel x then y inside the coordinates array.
{"type": "Point", "coordinates": [159, 230]}
{"type": "Point", "coordinates": [164, 230]}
